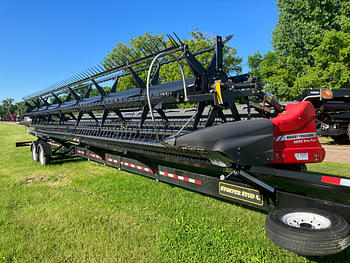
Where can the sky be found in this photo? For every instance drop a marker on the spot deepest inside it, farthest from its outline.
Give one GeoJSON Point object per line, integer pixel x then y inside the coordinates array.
{"type": "Point", "coordinates": [43, 42]}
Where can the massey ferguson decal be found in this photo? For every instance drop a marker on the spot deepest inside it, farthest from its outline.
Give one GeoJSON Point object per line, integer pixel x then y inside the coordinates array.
{"type": "Point", "coordinates": [299, 136]}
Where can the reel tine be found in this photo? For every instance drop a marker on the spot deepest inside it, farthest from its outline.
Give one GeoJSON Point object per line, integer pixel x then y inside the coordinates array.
{"type": "Point", "coordinates": [147, 49]}
{"type": "Point", "coordinates": [84, 74]}
{"type": "Point", "coordinates": [97, 69]}
{"type": "Point", "coordinates": [87, 73]}
{"type": "Point", "coordinates": [117, 62]}
{"type": "Point", "coordinates": [155, 45]}
{"type": "Point", "coordinates": [94, 70]}
{"type": "Point", "coordinates": [135, 52]}
{"type": "Point", "coordinates": [178, 39]}
{"type": "Point", "coordinates": [163, 43]}
{"type": "Point", "coordinates": [228, 38]}
{"type": "Point", "coordinates": [175, 42]}
{"type": "Point", "coordinates": [81, 76]}
{"type": "Point", "coordinates": [91, 71]}
{"type": "Point", "coordinates": [101, 68]}
{"type": "Point", "coordinates": [106, 66]}
{"type": "Point", "coordinates": [111, 62]}
{"type": "Point", "coordinates": [160, 43]}
{"type": "Point", "coordinates": [171, 40]}
{"type": "Point", "coordinates": [143, 52]}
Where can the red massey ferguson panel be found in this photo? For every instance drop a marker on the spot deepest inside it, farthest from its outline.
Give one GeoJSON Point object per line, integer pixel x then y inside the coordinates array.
{"type": "Point", "coordinates": [295, 138]}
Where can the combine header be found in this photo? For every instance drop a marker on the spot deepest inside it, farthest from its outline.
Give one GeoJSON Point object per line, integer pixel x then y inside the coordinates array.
{"type": "Point", "coordinates": [253, 154]}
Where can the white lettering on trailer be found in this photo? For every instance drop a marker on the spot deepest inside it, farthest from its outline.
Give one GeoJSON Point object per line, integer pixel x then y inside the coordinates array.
{"type": "Point", "coordinates": [297, 136]}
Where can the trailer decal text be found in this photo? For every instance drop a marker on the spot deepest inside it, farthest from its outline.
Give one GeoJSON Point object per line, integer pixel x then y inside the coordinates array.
{"type": "Point", "coordinates": [241, 193]}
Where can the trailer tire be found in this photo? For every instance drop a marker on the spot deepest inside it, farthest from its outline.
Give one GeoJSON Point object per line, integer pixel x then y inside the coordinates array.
{"type": "Point", "coordinates": [44, 152]}
{"type": "Point", "coordinates": [34, 149]}
{"type": "Point", "coordinates": [308, 231]}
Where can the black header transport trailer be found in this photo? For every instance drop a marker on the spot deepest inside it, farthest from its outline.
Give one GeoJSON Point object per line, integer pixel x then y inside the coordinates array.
{"type": "Point", "coordinates": [256, 158]}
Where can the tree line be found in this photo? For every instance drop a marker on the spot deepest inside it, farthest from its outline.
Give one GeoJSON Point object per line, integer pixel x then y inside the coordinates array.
{"type": "Point", "coordinates": [8, 106]}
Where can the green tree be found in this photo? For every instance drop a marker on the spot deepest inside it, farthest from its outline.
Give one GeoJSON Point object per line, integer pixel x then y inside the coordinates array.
{"type": "Point", "coordinates": [20, 107]}
{"type": "Point", "coordinates": [254, 64]}
{"type": "Point", "coordinates": [331, 67]}
{"type": "Point", "coordinates": [124, 53]}
{"type": "Point", "coordinates": [277, 78]}
{"type": "Point", "coordinates": [8, 105]}
{"type": "Point", "coordinates": [302, 26]}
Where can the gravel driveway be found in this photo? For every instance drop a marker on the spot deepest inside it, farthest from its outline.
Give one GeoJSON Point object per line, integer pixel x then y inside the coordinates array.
{"type": "Point", "coordinates": [337, 153]}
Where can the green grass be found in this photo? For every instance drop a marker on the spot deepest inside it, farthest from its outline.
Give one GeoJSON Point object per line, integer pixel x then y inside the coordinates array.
{"type": "Point", "coordinates": [80, 211]}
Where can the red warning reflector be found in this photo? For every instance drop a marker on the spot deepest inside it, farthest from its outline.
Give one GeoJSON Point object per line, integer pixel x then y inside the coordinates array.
{"type": "Point", "coordinates": [330, 180]}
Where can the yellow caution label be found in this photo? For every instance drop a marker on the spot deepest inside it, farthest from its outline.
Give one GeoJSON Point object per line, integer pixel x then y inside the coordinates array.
{"type": "Point", "coordinates": [241, 193]}
{"type": "Point", "coordinates": [218, 91]}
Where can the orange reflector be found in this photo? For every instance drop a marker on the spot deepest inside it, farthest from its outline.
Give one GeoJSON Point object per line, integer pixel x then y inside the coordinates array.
{"type": "Point", "coordinates": [327, 94]}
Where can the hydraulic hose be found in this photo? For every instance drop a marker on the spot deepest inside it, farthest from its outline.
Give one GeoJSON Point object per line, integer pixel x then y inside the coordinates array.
{"type": "Point", "coordinates": [148, 84]}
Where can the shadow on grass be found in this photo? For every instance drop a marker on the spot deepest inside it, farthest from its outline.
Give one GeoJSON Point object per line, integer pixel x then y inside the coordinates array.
{"type": "Point", "coordinates": [340, 257]}
{"type": "Point", "coordinates": [59, 160]}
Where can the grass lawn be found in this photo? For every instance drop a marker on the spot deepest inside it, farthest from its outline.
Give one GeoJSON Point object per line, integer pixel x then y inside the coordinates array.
{"type": "Point", "coordinates": [80, 211]}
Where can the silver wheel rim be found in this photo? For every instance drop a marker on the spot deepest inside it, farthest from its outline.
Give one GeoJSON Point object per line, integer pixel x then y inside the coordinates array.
{"type": "Point", "coordinates": [41, 156]}
{"type": "Point", "coordinates": [34, 154]}
{"type": "Point", "coordinates": [306, 220]}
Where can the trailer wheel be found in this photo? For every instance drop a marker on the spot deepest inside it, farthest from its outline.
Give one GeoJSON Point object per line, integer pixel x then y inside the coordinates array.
{"type": "Point", "coordinates": [308, 231]}
{"type": "Point", "coordinates": [34, 148]}
{"type": "Point", "coordinates": [44, 153]}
